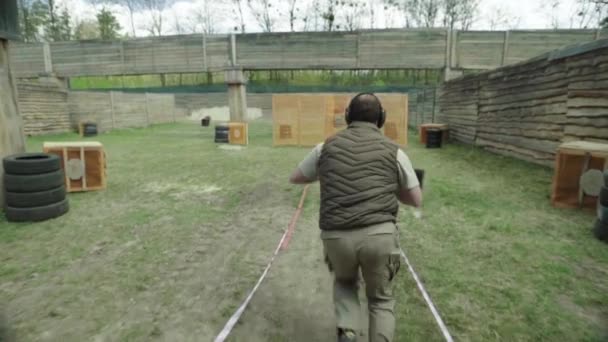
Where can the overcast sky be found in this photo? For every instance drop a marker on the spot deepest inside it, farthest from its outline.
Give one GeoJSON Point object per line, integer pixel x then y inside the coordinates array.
{"type": "Point", "coordinates": [528, 14]}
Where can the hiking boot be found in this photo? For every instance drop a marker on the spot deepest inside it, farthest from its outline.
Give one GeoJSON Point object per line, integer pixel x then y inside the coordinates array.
{"type": "Point", "coordinates": [345, 335]}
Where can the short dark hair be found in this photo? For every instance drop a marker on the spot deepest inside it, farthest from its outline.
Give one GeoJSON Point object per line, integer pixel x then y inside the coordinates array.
{"type": "Point", "coordinates": [365, 107]}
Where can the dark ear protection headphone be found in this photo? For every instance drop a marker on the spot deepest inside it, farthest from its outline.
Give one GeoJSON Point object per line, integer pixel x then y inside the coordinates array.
{"type": "Point", "coordinates": [382, 114]}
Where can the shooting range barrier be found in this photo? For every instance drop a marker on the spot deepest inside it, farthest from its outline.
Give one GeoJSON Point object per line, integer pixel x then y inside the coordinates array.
{"type": "Point", "coordinates": [309, 119]}
{"type": "Point", "coordinates": [84, 164]}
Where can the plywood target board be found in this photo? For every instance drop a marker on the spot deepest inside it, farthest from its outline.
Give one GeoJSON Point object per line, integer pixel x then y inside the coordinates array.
{"type": "Point", "coordinates": [309, 119]}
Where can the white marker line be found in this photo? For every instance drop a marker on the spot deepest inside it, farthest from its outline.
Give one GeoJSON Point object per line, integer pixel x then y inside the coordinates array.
{"type": "Point", "coordinates": [237, 315]}
{"type": "Point", "coordinates": [239, 312]}
{"type": "Point", "coordinates": [428, 300]}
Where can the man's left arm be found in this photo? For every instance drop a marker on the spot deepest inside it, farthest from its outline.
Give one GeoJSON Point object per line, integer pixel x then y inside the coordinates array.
{"type": "Point", "coordinates": [307, 170]}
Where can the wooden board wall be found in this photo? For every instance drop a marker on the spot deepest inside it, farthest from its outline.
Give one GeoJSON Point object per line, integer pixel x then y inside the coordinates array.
{"type": "Point", "coordinates": [308, 119]}
{"type": "Point", "coordinates": [372, 49]}
{"type": "Point", "coordinates": [527, 110]}
{"type": "Point", "coordinates": [43, 106]}
{"type": "Point", "coordinates": [113, 110]}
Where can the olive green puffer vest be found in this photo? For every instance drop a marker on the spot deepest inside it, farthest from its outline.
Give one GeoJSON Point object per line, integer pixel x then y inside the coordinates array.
{"type": "Point", "coordinates": [359, 178]}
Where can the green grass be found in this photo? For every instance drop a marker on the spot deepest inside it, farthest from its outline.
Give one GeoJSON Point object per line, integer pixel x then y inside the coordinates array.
{"type": "Point", "coordinates": [160, 256]}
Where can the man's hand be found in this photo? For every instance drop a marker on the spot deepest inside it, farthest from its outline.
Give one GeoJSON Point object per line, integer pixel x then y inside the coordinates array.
{"type": "Point", "coordinates": [411, 197]}
{"type": "Point", "coordinates": [298, 178]}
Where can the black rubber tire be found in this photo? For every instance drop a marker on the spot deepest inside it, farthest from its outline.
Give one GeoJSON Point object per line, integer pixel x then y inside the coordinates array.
{"type": "Point", "coordinates": [600, 230]}
{"type": "Point", "coordinates": [34, 183]}
{"type": "Point", "coordinates": [31, 163]}
{"type": "Point", "coordinates": [604, 196]}
{"type": "Point", "coordinates": [37, 214]}
{"type": "Point", "coordinates": [35, 199]}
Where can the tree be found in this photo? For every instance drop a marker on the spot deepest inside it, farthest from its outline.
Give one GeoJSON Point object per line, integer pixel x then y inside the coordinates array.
{"type": "Point", "coordinates": [501, 18]}
{"type": "Point", "coordinates": [328, 14]}
{"type": "Point", "coordinates": [467, 12]}
{"type": "Point", "coordinates": [155, 9]}
{"type": "Point", "coordinates": [32, 16]}
{"type": "Point", "coordinates": [57, 26]}
{"type": "Point", "coordinates": [292, 14]}
{"type": "Point", "coordinates": [352, 12]}
{"type": "Point", "coordinates": [265, 13]}
{"type": "Point", "coordinates": [592, 13]}
{"type": "Point", "coordinates": [86, 29]}
{"type": "Point", "coordinates": [552, 9]}
{"type": "Point", "coordinates": [132, 7]}
{"type": "Point", "coordinates": [108, 25]}
{"type": "Point", "coordinates": [205, 18]}
{"type": "Point", "coordinates": [417, 13]}
{"type": "Point", "coordinates": [238, 8]}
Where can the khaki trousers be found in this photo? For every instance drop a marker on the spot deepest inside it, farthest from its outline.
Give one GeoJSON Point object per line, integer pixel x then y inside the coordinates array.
{"type": "Point", "coordinates": [375, 251]}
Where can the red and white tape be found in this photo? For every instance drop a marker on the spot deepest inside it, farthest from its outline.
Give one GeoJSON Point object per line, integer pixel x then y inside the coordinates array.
{"type": "Point", "coordinates": [282, 245]}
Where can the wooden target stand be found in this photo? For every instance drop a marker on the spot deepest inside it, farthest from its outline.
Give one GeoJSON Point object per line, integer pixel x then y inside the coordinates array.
{"type": "Point", "coordinates": [84, 164]}
{"type": "Point", "coordinates": [578, 174]}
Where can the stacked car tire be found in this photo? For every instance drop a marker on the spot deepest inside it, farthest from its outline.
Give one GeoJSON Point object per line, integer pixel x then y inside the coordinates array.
{"type": "Point", "coordinates": [34, 187]}
{"type": "Point", "coordinates": [601, 224]}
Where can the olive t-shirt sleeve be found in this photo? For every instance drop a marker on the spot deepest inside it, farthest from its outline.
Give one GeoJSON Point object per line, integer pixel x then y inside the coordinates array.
{"type": "Point", "coordinates": [407, 176]}
{"type": "Point", "coordinates": [310, 165]}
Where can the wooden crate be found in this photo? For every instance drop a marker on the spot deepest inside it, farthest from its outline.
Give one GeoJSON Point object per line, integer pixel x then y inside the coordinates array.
{"type": "Point", "coordinates": [84, 164]}
{"type": "Point", "coordinates": [238, 133]}
{"type": "Point", "coordinates": [569, 165]}
{"type": "Point", "coordinates": [424, 127]}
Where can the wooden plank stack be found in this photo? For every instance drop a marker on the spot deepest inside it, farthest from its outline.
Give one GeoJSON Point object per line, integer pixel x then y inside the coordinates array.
{"type": "Point", "coordinates": [527, 110]}
{"type": "Point", "coordinates": [43, 107]}
{"type": "Point", "coordinates": [458, 103]}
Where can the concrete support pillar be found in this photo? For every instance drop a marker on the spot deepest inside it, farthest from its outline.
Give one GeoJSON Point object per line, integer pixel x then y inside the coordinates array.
{"type": "Point", "coordinates": [237, 94]}
{"type": "Point", "coordinates": [11, 127]}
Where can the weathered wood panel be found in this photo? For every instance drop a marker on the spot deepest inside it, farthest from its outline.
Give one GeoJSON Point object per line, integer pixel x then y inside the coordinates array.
{"type": "Point", "coordinates": [374, 49]}
{"type": "Point", "coordinates": [480, 50]}
{"type": "Point", "coordinates": [418, 49]}
{"type": "Point", "coordinates": [528, 109]}
{"type": "Point", "coordinates": [91, 106]}
{"type": "Point", "coordinates": [27, 60]}
{"type": "Point", "coordinates": [43, 107]}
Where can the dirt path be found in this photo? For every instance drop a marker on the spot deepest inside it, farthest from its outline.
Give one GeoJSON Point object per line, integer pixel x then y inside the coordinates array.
{"type": "Point", "coordinates": [294, 303]}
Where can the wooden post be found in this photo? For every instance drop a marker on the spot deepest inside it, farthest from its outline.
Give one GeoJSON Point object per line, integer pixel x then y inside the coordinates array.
{"type": "Point", "coordinates": [232, 50]}
{"type": "Point", "coordinates": [48, 60]}
{"type": "Point", "coordinates": [448, 49]}
{"type": "Point", "coordinates": [112, 110]}
{"type": "Point", "coordinates": [505, 48]}
{"type": "Point", "coordinates": [455, 60]}
{"type": "Point", "coordinates": [358, 62]}
{"type": "Point", "coordinates": [205, 64]}
{"type": "Point", "coordinates": [237, 94]}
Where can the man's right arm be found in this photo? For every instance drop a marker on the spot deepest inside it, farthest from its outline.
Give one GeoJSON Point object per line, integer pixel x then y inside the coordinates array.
{"type": "Point", "coordinates": [411, 197]}
{"type": "Point", "coordinates": [409, 186]}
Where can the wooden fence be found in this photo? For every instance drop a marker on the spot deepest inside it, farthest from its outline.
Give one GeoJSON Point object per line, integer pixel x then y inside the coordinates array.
{"type": "Point", "coordinates": [378, 49]}
{"type": "Point", "coordinates": [47, 107]}
{"type": "Point", "coordinates": [527, 110]}
{"type": "Point", "coordinates": [111, 110]}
